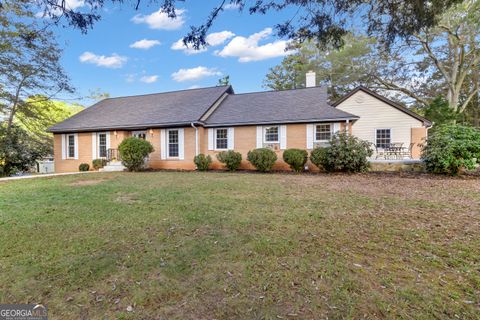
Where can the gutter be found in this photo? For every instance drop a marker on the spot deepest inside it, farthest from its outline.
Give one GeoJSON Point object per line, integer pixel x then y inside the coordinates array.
{"type": "Point", "coordinates": [196, 138]}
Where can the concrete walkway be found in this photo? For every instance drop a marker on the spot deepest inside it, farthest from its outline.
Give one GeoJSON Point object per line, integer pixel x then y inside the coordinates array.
{"type": "Point", "coordinates": [44, 175]}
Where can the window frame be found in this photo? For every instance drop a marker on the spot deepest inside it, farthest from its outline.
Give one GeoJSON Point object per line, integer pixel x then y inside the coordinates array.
{"type": "Point", "coordinates": [265, 128]}
{"type": "Point", "coordinates": [376, 137]}
{"type": "Point", "coordinates": [315, 132]}
{"type": "Point", "coordinates": [98, 144]}
{"type": "Point", "coordinates": [215, 132]}
{"type": "Point", "coordinates": [168, 144]}
{"type": "Point", "coordinates": [68, 145]}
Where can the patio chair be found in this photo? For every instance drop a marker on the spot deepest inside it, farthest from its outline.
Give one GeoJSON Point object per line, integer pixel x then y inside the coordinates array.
{"type": "Point", "coordinates": [407, 153]}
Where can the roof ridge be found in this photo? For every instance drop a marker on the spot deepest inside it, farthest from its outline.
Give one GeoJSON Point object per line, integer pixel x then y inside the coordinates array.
{"type": "Point", "coordinates": [174, 91]}
{"type": "Point", "coordinates": [281, 90]}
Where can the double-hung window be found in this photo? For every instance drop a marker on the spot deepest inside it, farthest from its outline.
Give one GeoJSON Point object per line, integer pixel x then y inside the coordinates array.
{"type": "Point", "coordinates": [173, 143]}
{"type": "Point", "coordinates": [271, 134]}
{"type": "Point", "coordinates": [71, 146]}
{"type": "Point", "coordinates": [323, 132]}
{"type": "Point", "coordinates": [102, 145]}
{"type": "Point", "coordinates": [221, 139]}
{"type": "Point", "coordinates": [383, 138]}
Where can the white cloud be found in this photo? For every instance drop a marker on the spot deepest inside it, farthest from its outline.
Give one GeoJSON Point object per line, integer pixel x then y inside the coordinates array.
{"type": "Point", "coordinates": [218, 38]}
{"type": "Point", "coordinates": [149, 79]}
{"type": "Point", "coordinates": [195, 86]}
{"type": "Point", "coordinates": [114, 61]}
{"type": "Point", "coordinates": [231, 6]}
{"type": "Point", "coordinates": [248, 49]}
{"type": "Point", "coordinates": [144, 44]}
{"type": "Point", "coordinates": [213, 39]}
{"type": "Point", "coordinates": [161, 21]}
{"type": "Point", "coordinates": [194, 74]}
{"type": "Point", "coordinates": [69, 5]}
{"type": "Point", "coordinates": [179, 45]}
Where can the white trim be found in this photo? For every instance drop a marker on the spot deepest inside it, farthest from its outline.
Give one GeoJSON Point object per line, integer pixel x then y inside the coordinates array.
{"type": "Point", "coordinates": [76, 145]}
{"type": "Point", "coordinates": [163, 145]}
{"type": "Point", "coordinates": [107, 143]}
{"type": "Point", "coordinates": [181, 144]}
{"type": "Point", "coordinates": [259, 137]}
{"type": "Point", "coordinates": [108, 140]}
{"type": "Point", "coordinates": [64, 150]}
{"type": "Point", "coordinates": [332, 131]}
{"type": "Point", "coordinates": [94, 145]}
{"type": "Point", "coordinates": [391, 135]}
{"type": "Point", "coordinates": [283, 137]}
{"type": "Point", "coordinates": [265, 134]}
{"type": "Point", "coordinates": [310, 132]}
{"type": "Point", "coordinates": [336, 127]}
{"type": "Point", "coordinates": [215, 139]}
{"type": "Point", "coordinates": [231, 138]}
{"type": "Point", "coordinates": [210, 138]}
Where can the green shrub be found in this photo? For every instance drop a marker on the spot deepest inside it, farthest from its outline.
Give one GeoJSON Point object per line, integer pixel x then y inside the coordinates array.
{"type": "Point", "coordinates": [345, 153]}
{"type": "Point", "coordinates": [451, 148]}
{"type": "Point", "coordinates": [202, 162]}
{"type": "Point", "coordinates": [99, 163]}
{"type": "Point", "coordinates": [295, 158]}
{"type": "Point", "coordinates": [84, 167]}
{"type": "Point", "coordinates": [262, 158]}
{"type": "Point", "coordinates": [133, 152]}
{"type": "Point", "coordinates": [230, 159]}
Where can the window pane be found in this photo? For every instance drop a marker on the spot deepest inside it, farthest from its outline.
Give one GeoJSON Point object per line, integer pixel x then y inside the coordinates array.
{"type": "Point", "coordinates": [173, 143]}
{"type": "Point", "coordinates": [71, 146]}
{"type": "Point", "coordinates": [271, 134]}
{"type": "Point", "coordinates": [383, 138]}
{"type": "Point", "coordinates": [323, 132]}
{"type": "Point", "coordinates": [222, 139]}
{"type": "Point", "coordinates": [102, 145]}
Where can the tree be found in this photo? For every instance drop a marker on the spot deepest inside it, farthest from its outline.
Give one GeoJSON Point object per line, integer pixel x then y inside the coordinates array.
{"type": "Point", "coordinates": [324, 21]}
{"type": "Point", "coordinates": [41, 114]}
{"type": "Point", "coordinates": [29, 62]}
{"type": "Point", "coordinates": [338, 69]}
{"type": "Point", "coordinates": [18, 152]}
{"type": "Point", "coordinates": [444, 60]}
{"type": "Point", "coordinates": [225, 81]}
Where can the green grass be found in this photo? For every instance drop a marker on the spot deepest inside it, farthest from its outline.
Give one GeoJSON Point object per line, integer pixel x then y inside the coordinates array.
{"type": "Point", "coordinates": [250, 246]}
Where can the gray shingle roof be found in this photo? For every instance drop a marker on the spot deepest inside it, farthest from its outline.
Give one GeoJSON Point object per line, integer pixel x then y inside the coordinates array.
{"type": "Point", "coordinates": [300, 105]}
{"type": "Point", "coordinates": [169, 108]}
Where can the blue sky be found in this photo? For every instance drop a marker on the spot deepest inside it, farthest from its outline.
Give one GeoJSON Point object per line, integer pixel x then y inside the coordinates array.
{"type": "Point", "coordinates": [130, 52]}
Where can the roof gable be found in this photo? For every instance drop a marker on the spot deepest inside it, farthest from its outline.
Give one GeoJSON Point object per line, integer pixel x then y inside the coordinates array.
{"type": "Point", "coordinates": [385, 100]}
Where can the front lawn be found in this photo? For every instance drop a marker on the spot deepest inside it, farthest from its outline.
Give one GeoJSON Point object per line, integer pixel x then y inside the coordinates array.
{"type": "Point", "coordinates": [248, 246]}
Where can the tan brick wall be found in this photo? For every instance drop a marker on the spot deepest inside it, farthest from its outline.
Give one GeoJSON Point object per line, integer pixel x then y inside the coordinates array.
{"type": "Point", "coordinates": [84, 153]}
{"type": "Point", "coordinates": [418, 137]}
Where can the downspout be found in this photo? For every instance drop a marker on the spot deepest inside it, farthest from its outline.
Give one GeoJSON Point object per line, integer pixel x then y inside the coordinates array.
{"type": "Point", "coordinates": [347, 128]}
{"type": "Point", "coordinates": [196, 138]}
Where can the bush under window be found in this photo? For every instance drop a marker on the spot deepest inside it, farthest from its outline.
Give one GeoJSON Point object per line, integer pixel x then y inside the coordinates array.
{"type": "Point", "coordinates": [133, 152]}
{"type": "Point", "coordinates": [346, 153]}
{"type": "Point", "coordinates": [295, 158]}
{"type": "Point", "coordinates": [84, 167]}
{"type": "Point", "coordinates": [451, 148]}
{"type": "Point", "coordinates": [262, 158]}
{"type": "Point", "coordinates": [231, 159]}
{"type": "Point", "coordinates": [202, 162]}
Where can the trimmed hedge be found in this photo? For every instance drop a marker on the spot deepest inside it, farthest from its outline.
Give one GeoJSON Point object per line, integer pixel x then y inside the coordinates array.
{"type": "Point", "coordinates": [262, 158]}
{"type": "Point", "coordinates": [84, 167]}
{"type": "Point", "coordinates": [346, 153]}
{"type": "Point", "coordinates": [202, 162]}
{"type": "Point", "coordinates": [451, 148]}
{"type": "Point", "coordinates": [295, 158]}
{"type": "Point", "coordinates": [231, 159]}
{"type": "Point", "coordinates": [133, 152]}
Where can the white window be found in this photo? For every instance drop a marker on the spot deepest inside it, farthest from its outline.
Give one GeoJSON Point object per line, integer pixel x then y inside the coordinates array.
{"type": "Point", "coordinates": [172, 144]}
{"type": "Point", "coordinates": [323, 132]}
{"type": "Point", "coordinates": [140, 134]}
{"type": "Point", "coordinates": [102, 145]}
{"type": "Point", "coordinates": [383, 138]}
{"type": "Point", "coordinates": [221, 139]}
{"type": "Point", "coordinates": [271, 134]}
{"type": "Point", "coordinates": [71, 146]}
